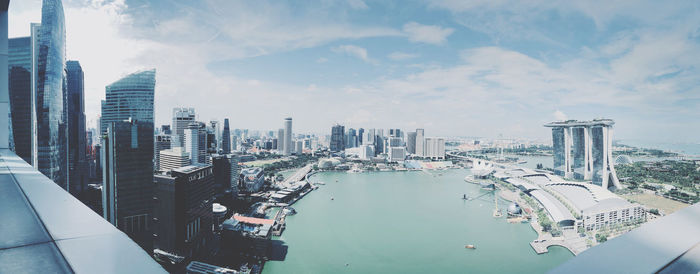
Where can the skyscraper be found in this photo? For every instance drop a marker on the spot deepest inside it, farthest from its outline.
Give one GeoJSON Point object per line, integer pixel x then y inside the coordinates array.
{"type": "Point", "coordinates": [420, 142]}
{"type": "Point", "coordinates": [50, 157]}
{"type": "Point", "coordinates": [591, 145]}
{"type": "Point", "coordinates": [129, 97]}
{"type": "Point", "coordinates": [226, 138]}
{"type": "Point", "coordinates": [192, 142]}
{"type": "Point", "coordinates": [411, 142]}
{"type": "Point", "coordinates": [288, 147]}
{"type": "Point", "coordinates": [337, 143]}
{"type": "Point", "coordinates": [182, 117]}
{"type": "Point", "coordinates": [280, 140]}
{"type": "Point", "coordinates": [19, 62]}
{"type": "Point", "coordinates": [75, 114]}
{"type": "Point", "coordinates": [163, 142]}
{"type": "Point", "coordinates": [360, 132]}
{"type": "Point", "coordinates": [127, 187]}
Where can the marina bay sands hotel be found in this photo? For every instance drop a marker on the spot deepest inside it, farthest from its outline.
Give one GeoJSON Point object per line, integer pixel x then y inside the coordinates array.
{"type": "Point", "coordinates": [583, 151]}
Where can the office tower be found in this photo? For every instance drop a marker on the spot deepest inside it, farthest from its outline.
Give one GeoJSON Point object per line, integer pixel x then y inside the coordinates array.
{"type": "Point", "coordinates": [288, 136]}
{"type": "Point", "coordinates": [420, 142]}
{"type": "Point", "coordinates": [163, 142]}
{"type": "Point", "coordinates": [299, 148]}
{"type": "Point", "coordinates": [235, 171]}
{"type": "Point", "coordinates": [19, 62]}
{"type": "Point", "coordinates": [337, 143]}
{"type": "Point", "coordinates": [366, 152]}
{"type": "Point", "coordinates": [184, 210]}
{"type": "Point", "coordinates": [434, 148]}
{"type": "Point", "coordinates": [129, 97]}
{"type": "Point", "coordinates": [127, 186]}
{"type": "Point", "coordinates": [75, 121]}
{"type": "Point", "coordinates": [51, 153]}
{"type": "Point", "coordinates": [173, 158]}
{"type": "Point", "coordinates": [191, 138]}
{"type": "Point", "coordinates": [226, 138]}
{"type": "Point", "coordinates": [411, 142]}
{"type": "Point", "coordinates": [395, 142]}
{"type": "Point", "coordinates": [234, 143]}
{"type": "Point", "coordinates": [165, 129]}
{"type": "Point", "coordinates": [370, 137]}
{"type": "Point", "coordinates": [203, 156]}
{"type": "Point", "coordinates": [396, 154]}
{"type": "Point", "coordinates": [280, 140]}
{"type": "Point", "coordinates": [591, 145]}
{"type": "Point", "coordinates": [351, 138]}
{"type": "Point", "coordinates": [221, 166]}
{"type": "Point", "coordinates": [182, 117]}
{"type": "Point", "coordinates": [360, 132]}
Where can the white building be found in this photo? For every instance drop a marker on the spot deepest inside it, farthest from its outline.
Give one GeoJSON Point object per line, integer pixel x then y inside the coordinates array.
{"type": "Point", "coordinates": [192, 142]}
{"type": "Point", "coordinates": [420, 142]}
{"type": "Point", "coordinates": [173, 158]}
{"type": "Point", "coordinates": [434, 148]}
{"type": "Point", "coordinates": [366, 152]}
{"type": "Point", "coordinates": [288, 145]}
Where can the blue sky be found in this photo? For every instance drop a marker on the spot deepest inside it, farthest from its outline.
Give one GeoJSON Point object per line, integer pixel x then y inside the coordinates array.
{"type": "Point", "coordinates": [456, 68]}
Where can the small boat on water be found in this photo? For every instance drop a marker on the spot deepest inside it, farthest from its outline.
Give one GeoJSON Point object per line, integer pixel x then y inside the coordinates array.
{"type": "Point", "coordinates": [465, 197]}
{"type": "Point", "coordinates": [332, 198]}
{"type": "Point", "coordinates": [320, 183]}
{"type": "Point", "coordinates": [470, 247]}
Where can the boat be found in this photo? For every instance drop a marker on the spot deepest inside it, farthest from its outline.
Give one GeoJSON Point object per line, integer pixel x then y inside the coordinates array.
{"type": "Point", "coordinates": [320, 183]}
{"type": "Point", "coordinates": [465, 197]}
{"type": "Point", "coordinates": [522, 162]}
{"type": "Point", "coordinates": [332, 198]}
{"type": "Point", "coordinates": [470, 247]}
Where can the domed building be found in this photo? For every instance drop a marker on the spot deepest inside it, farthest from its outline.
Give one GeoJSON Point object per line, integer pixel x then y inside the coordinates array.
{"type": "Point", "coordinates": [514, 209]}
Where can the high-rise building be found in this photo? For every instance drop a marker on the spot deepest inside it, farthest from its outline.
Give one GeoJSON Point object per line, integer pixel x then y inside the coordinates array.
{"type": "Point", "coordinates": [129, 97]}
{"type": "Point", "coordinates": [202, 141]}
{"type": "Point", "coordinates": [435, 148]}
{"type": "Point", "coordinates": [280, 140]}
{"type": "Point", "coordinates": [360, 132]}
{"type": "Point", "coordinates": [173, 158]}
{"type": "Point", "coordinates": [192, 142]}
{"type": "Point", "coordinates": [51, 152]}
{"type": "Point", "coordinates": [20, 67]}
{"type": "Point", "coordinates": [127, 185]}
{"type": "Point", "coordinates": [162, 143]}
{"type": "Point", "coordinates": [182, 117]}
{"type": "Point", "coordinates": [337, 143]}
{"type": "Point", "coordinates": [75, 120]}
{"type": "Point", "coordinates": [288, 147]}
{"type": "Point", "coordinates": [299, 148]}
{"type": "Point", "coordinates": [226, 138]}
{"type": "Point", "coordinates": [420, 142]}
{"type": "Point", "coordinates": [184, 210]}
{"type": "Point", "coordinates": [411, 142]}
{"type": "Point", "coordinates": [591, 145]}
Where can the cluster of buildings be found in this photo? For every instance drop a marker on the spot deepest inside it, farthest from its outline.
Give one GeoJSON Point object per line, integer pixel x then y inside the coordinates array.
{"type": "Point", "coordinates": [397, 146]}
{"type": "Point", "coordinates": [46, 103]}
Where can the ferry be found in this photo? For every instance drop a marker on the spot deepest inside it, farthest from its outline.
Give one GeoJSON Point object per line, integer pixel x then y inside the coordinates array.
{"type": "Point", "coordinates": [470, 247]}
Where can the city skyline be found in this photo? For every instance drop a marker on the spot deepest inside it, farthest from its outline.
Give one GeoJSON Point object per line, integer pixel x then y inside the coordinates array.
{"type": "Point", "coordinates": [426, 68]}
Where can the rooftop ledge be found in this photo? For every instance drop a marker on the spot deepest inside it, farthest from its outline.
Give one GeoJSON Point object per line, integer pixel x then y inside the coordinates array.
{"type": "Point", "coordinates": [44, 229]}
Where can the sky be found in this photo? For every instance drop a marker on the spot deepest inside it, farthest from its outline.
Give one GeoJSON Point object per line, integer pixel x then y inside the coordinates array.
{"type": "Point", "coordinates": [486, 68]}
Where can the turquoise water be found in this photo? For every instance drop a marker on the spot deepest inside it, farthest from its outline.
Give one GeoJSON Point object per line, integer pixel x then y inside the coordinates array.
{"type": "Point", "coordinates": [405, 222]}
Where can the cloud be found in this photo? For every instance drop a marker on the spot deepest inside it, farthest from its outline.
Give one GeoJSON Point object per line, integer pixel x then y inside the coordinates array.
{"type": "Point", "coordinates": [355, 51]}
{"type": "Point", "coordinates": [426, 33]}
{"type": "Point", "coordinates": [398, 56]}
{"type": "Point", "coordinates": [559, 116]}
{"type": "Point", "coordinates": [358, 4]}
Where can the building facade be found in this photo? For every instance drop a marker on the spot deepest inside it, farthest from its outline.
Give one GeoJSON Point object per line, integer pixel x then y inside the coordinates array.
{"type": "Point", "coordinates": [127, 184]}
{"type": "Point", "coordinates": [51, 152]}
{"type": "Point", "coordinates": [288, 147]}
{"type": "Point", "coordinates": [183, 209]}
{"type": "Point", "coordinates": [420, 142]}
{"type": "Point", "coordinates": [251, 180]}
{"type": "Point", "coordinates": [20, 67]}
{"type": "Point", "coordinates": [173, 158]}
{"type": "Point", "coordinates": [226, 138]}
{"type": "Point", "coordinates": [182, 117]}
{"type": "Point", "coordinates": [337, 143]}
{"type": "Point", "coordinates": [162, 142]}
{"type": "Point", "coordinates": [129, 97]}
{"type": "Point", "coordinates": [75, 120]}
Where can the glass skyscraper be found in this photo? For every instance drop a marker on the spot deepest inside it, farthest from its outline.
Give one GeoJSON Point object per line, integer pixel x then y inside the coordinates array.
{"type": "Point", "coordinates": [129, 97]}
{"type": "Point", "coordinates": [19, 61]}
{"type": "Point", "coordinates": [75, 120]}
{"type": "Point", "coordinates": [226, 138]}
{"type": "Point", "coordinates": [50, 92]}
{"type": "Point", "coordinates": [337, 138]}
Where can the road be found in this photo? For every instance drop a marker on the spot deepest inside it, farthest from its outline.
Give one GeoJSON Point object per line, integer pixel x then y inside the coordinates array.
{"type": "Point", "coordinates": [297, 176]}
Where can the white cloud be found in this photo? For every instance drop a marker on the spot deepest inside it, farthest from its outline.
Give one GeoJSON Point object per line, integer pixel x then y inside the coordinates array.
{"type": "Point", "coordinates": [358, 4]}
{"type": "Point", "coordinates": [559, 116]}
{"type": "Point", "coordinates": [355, 51]}
{"type": "Point", "coordinates": [398, 56]}
{"type": "Point", "coordinates": [426, 33]}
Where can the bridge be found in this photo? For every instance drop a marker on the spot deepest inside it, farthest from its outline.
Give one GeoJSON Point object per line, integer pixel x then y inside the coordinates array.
{"type": "Point", "coordinates": [300, 175]}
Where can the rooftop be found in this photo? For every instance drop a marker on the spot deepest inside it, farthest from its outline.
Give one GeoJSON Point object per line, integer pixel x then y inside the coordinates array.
{"type": "Point", "coordinates": [576, 123]}
{"type": "Point", "coordinates": [51, 232]}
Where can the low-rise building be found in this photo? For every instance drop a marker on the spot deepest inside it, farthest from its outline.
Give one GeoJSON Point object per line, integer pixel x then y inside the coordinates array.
{"type": "Point", "coordinates": [251, 180]}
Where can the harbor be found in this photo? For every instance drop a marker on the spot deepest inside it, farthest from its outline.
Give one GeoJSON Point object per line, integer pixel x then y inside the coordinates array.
{"type": "Point", "coordinates": [412, 222]}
